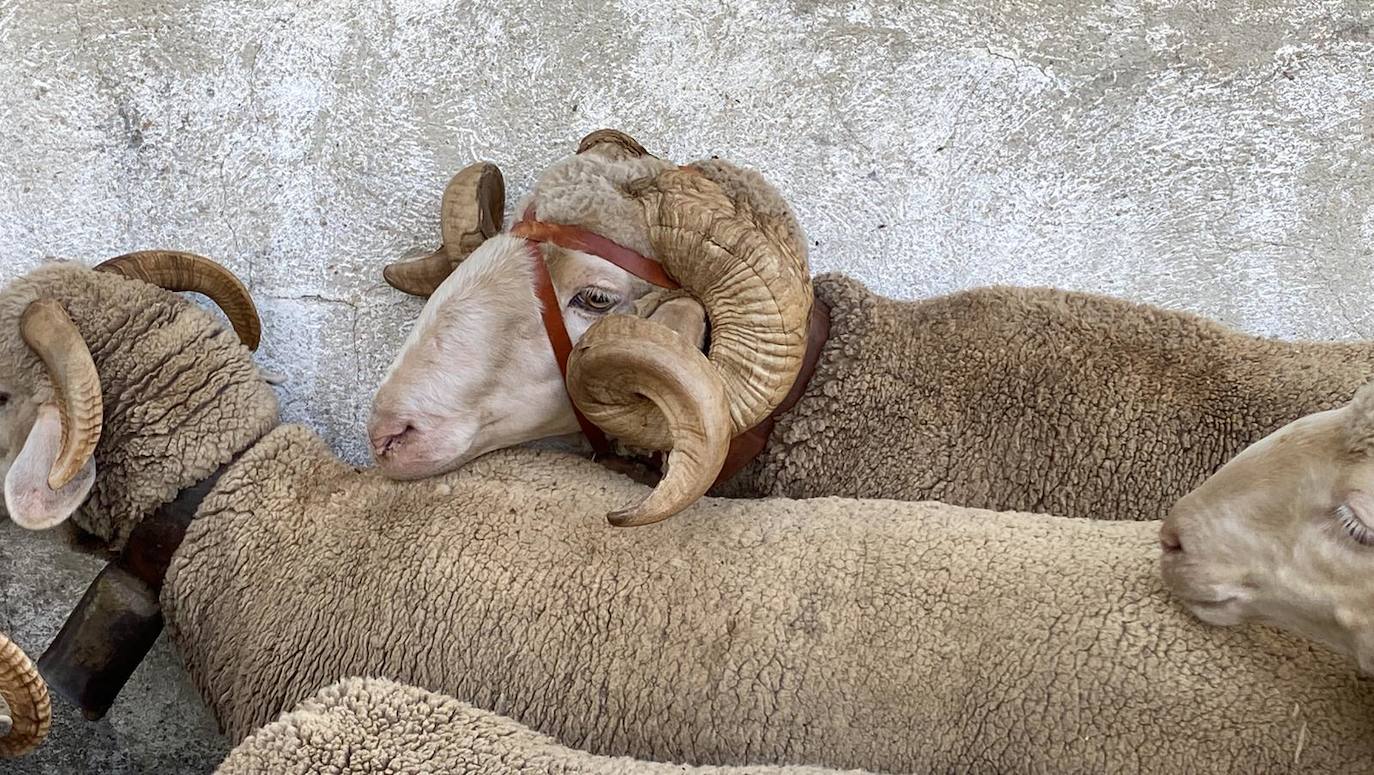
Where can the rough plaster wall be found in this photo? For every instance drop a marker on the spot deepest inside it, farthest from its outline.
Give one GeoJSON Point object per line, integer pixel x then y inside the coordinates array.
{"type": "Point", "coordinates": [1217, 157]}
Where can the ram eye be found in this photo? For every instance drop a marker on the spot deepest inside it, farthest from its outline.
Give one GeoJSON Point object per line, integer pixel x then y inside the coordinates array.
{"type": "Point", "coordinates": [595, 300]}
{"type": "Point", "coordinates": [4, 399]}
{"type": "Point", "coordinates": [1353, 525]}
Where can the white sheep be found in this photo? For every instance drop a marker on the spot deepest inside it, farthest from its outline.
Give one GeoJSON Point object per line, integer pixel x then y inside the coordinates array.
{"type": "Point", "coordinates": [1001, 398]}
{"type": "Point", "coordinates": [881, 635]}
{"type": "Point", "coordinates": [365, 726]}
{"type": "Point", "coordinates": [1284, 533]}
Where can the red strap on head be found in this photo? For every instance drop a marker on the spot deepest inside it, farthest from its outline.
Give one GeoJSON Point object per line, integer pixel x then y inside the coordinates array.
{"type": "Point", "coordinates": [576, 238]}
{"type": "Point", "coordinates": [557, 331]}
{"type": "Point", "coordinates": [580, 239]}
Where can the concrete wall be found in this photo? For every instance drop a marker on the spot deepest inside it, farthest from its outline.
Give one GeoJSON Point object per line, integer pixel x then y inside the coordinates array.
{"type": "Point", "coordinates": [1217, 157]}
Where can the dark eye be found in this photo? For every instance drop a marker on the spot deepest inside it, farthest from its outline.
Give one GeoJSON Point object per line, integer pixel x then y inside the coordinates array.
{"type": "Point", "coordinates": [4, 399]}
{"type": "Point", "coordinates": [1354, 526]}
{"type": "Point", "coordinates": [595, 300]}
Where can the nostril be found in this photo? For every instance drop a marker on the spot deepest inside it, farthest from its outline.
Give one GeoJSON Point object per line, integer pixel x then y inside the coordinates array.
{"type": "Point", "coordinates": [386, 440]}
{"type": "Point", "coordinates": [1169, 539]}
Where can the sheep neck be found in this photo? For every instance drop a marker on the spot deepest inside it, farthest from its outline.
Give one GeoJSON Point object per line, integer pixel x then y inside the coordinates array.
{"type": "Point", "coordinates": [117, 621]}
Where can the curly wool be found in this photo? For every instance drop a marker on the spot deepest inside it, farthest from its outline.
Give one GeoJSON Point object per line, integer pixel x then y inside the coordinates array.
{"type": "Point", "coordinates": [592, 190]}
{"type": "Point", "coordinates": [1038, 400]}
{"type": "Point", "coordinates": [377, 727]}
{"type": "Point", "coordinates": [181, 393]}
{"type": "Point", "coordinates": [879, 635]}
{"type": "Point", "coordinates": [589, 190]}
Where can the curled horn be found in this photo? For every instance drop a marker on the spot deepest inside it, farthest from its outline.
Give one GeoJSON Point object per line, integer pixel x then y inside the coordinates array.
{"type": "Point", "coordinates": [612, 143]}
{"type": "Point", "coordinates": [52, 336]}
{"type": "Point", "coordinates": [187, 272]}
{"type": "Point", "coordinates": [728, 239]}
{"type": "Point", "coordinates": [25, 708]}
{"type": "Point", "coordinates": [472, 210]}
{"type": "Point", "coordinates": [661, 391]}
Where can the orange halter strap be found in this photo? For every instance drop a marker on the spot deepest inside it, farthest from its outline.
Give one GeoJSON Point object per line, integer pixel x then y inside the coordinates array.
{"type": "Point", "coordinates": [535, 233]}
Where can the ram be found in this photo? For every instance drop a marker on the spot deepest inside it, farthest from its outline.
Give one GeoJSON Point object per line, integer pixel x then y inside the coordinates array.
{"type": "Point", "coordinates": [362, 726]}
{"type": "Point", "coordinates": [1000, 398]}
{"type": "Point", "coordinates": [870, 634]}
{"type": "Point", "coordinates": [119, 403]}
{"type": "Point", "coordinates": [1284, 533]}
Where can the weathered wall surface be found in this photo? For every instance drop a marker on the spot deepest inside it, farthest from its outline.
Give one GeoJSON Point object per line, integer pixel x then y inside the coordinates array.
{"type": "Point", "coordinates": [1218, 159]}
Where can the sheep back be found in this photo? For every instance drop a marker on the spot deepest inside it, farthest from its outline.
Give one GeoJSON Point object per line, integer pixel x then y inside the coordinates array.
{"type": "Point", "coordinates": [1034, 399]}
{"type": "Point", "coordinates": [878, 635]}
{"type": "Point", "coordinates": [181, 393]}
{"type": "Point", "coordinates": [375, 726]}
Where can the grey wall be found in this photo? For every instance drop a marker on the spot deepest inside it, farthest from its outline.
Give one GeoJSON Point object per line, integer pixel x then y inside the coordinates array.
{"type": "Point", "coordinates": [1216, 160]}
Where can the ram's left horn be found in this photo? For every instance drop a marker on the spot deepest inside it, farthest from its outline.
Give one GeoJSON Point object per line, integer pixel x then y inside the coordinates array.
{"type": "Point", "coordinates": [472, 210]}
{"type": "Point", "coordinates": [187, 272]}
{"type": "Point", "coordinates": [54, 338]}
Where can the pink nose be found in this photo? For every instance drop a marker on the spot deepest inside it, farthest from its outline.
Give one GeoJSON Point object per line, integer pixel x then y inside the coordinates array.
{"type": "Point", "coordinates": [388, 436]}
{"type": "Point", "coordinates": [1169, 539]}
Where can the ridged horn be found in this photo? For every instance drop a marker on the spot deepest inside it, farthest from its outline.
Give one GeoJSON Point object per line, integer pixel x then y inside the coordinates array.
{"type": "Point", "coordinates": [612, 143]}
{"type": "Point", "coordinates": [52, 336]}
{"type": "Point", "coordinates": [638, 379]}
{"type": "Point", "coordinates": [730, 240]}
{"type": "Point", "coordinates": [740, 261]}
{"type": "Point", "coordinates": [25, 702]}
{"type": "Point", "coordinates": [186, 272]}
{"type": "Point", "coordinates": [472, 210]}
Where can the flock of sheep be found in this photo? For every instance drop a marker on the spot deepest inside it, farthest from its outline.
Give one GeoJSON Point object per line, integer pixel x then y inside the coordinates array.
{"type": "Point", "coordinates": [873, 582]}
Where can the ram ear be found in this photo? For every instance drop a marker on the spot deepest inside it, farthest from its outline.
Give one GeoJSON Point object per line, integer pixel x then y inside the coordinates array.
{"type": "Point", "coordinates": [31, 502]}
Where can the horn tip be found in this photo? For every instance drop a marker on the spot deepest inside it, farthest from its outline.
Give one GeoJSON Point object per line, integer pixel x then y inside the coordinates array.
{"type": "Point", "coordinates": [396, 278]}
{"type": "Point", "coordinates": [251, 337]}
{"type": "Point", "coordinates": [59, 479]}
{"type": "Point", "coordinates": [635, 516]}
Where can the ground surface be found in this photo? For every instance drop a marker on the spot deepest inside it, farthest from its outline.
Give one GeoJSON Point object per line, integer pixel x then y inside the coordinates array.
{"type": "Point", "coordinates": [1214, 160]}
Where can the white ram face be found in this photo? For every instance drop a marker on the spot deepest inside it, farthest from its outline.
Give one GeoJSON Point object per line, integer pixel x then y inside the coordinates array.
{"type": "Point", "coordinates": [1284, 533]}
{"type": "Point", "coordinates": [477, 372]}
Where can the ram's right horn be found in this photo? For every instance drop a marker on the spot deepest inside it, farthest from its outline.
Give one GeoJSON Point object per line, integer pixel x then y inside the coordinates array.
{"type": "Point", "coordinates": [25, 708]}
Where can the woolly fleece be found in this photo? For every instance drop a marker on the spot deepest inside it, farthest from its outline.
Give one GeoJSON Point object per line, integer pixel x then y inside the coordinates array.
{"type": "Point", "coordinates": [1034, 399]}
{"type": "Point", "coordinates": [377, 727]}
{"type": "Point", "coordinates": [879, 635]}
{"type": "Point", "coordinates": [181, 393]}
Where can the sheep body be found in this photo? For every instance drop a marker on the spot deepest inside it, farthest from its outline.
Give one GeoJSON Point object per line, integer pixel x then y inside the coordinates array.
{"type": "Point", "coordinates": [880, 635]}
{"type": "Point", "coordinates": [181, 394]}
{"type": "Point", "coordinates": [361, 726]}
{"type": "Point", "coordinates": [1036, 400]}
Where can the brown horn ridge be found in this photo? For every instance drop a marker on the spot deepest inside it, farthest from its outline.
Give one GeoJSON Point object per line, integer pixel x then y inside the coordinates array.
{"type": "Point", "coordinates": [186, 272]}
{"type": "Point", "coordinates": [25, 707]}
